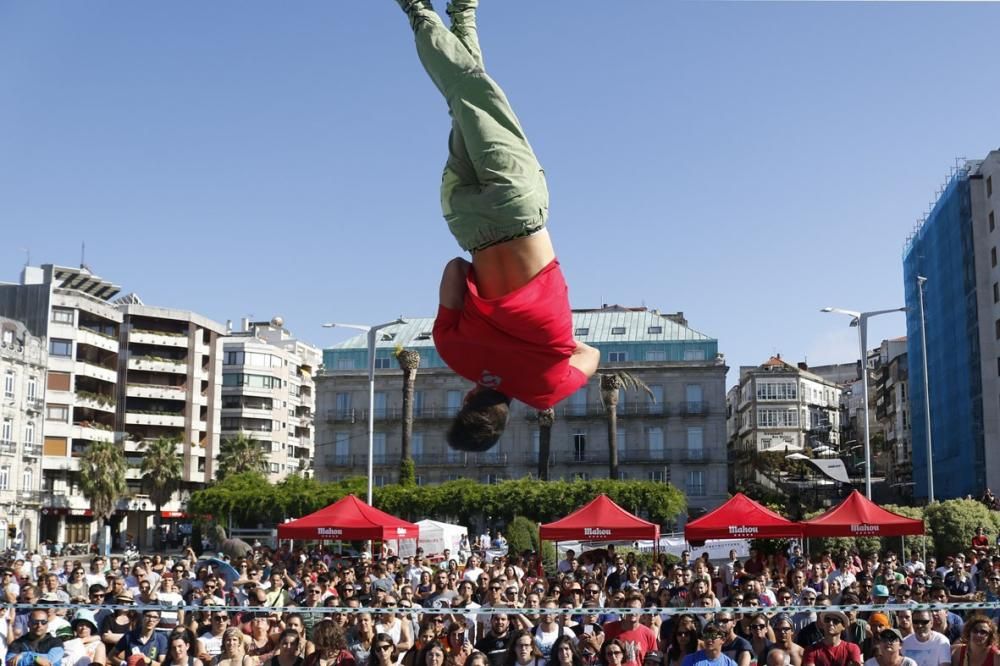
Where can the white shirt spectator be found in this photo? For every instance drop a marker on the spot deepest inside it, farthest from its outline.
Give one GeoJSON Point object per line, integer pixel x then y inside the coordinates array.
{"type": "Point", "coordinates": [936, 650]}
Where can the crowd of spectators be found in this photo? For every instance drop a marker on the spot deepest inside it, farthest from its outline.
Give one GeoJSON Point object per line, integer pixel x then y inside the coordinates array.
{"type": "Point", "coordinates": [612, 607]}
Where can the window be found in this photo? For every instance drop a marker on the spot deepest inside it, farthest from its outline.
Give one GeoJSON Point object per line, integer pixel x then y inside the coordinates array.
{"type": "Point", "coordinates": [4, 477]}
{"type": "Point", "coordinates": [654, 330]}
{"type": "Point", "coordinates": [989, 186]}
{"type": "Point", "coordinates": [777, 418]}
{"type": "Point", "coordinates": [617, 330]}
{"type": "Point", "coordinates": [536, 443]}
{"type": "Point", "coordinates": [620, 409]}
{"type": "Point", "coordinates": [617, 357]}
{"type": "Point", "coordinates": [996, 292]}
{"type": "Point", "coordinates": [418, 403]}
{"type": "Point", "coordinates": [776, 389]}
{"type": "Point", "coordinates": [7, 431]}
{"type": "Point", "coordinates": [658, 476]}
{"type": "Point", "coordinates": [59, 347]}
{"type": "Point", "coordinates": [993, 257]}
{"type": "Point", "coordinates": [381, 404]}
{"type": "Point", "coordinates": [656, 355]}
{"type": "Point", "coordinates": [250, 381]}
{"type": "Point", "coordinates": [578, 402]}
{"type": "Point", "coordinates": [8, 336]}
{"type": "Point", "coordinates": [453, 402]}
{"type": "Point", "coordinates": [57, 413]}
{"type": "Point", "coordinates": [693, 395]}
{"type": "Point", "coordinates": [656, 405]}
{"type": "Point", "coordinates": [417, 445]}
{"type": "Point", "coordinates": [492, 479]}
{"type": "Point", "coordinates": [694, 354]}
{"type": "Point", "coordinates": [345, 364]}
{"type": "Point", "coordinates": [27, 479]}
{"type": "Point", "coordinates": [378, 448]}
{"type": "Point", "coordinates": [582, 476]}
{"type": "Point", "coordinates": [233, 358]}
{"type": "Point", "coordinates": [343, 408]}
{"type": "Point", "coordinates": [696, 483]}
{"type": "Point", "coordinates": [8, 384]}
{"type": "Point", "coordinates": [418, 480]}
{"type": "Point", "coordinates": [383, 362]}
{"type": "Point", "coordinates": [997, 326]}
{"type": "Point", "coordinates": [621, 443]}
{"type": "Point", "coordinates": [993, 222]}
{"type": "Point", "coordinates": [29, 433]}
{"type": "Point", "coordinates": [580, 332]}
{"type": "Point", "coordinates": [342, 447]}
{"type": "Point", "coordinates": [579, 446]}
{"type": "Point", "coordinates": [275, 468]}
{"type": "Point", "coordinates": [654, 440]}
{"type": "Point", "coordinates": [62, 316]}
{"type": "Point", "coordinates": [32, 387]}
{"type": "Point", "coordinates": [696, 443]}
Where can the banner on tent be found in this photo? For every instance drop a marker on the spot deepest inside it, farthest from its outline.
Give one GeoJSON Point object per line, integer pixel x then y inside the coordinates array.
{"type": "Point", "coordinates": [718, 549]}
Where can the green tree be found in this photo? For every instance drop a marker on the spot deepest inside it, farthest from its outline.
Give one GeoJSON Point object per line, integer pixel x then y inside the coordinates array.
{"type": "Point", "coordinates": [611, 384]}
{"type": "Point", "coordinates": [102, 480]}
{"type": "Point", "coordinates": [161, 471]}
{"type": "Point", "coordinates": [546, 417]}
{"type": "Point", "coordinates": [409, 361]}
{"type": "Point", "coordinates": [521, 534]}
{"type": "Point", "coordinates": [239, 454]}
{"type": "Point", "coordinates": [954, 523]}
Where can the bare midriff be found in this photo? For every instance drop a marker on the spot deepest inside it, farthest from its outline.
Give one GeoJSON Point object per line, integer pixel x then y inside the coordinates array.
{"type": "Point", "coordinates": [502, 268]}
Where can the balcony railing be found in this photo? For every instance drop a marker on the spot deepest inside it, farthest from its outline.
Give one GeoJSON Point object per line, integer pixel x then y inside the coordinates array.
{"type": "Point", "coordinates": [597, 410]}
{"type": "Point", "coordinates": [348, 415]}
{"type": "Point", "coordinates": [8, 447]}
{"type": "Point", "coordinates": [491, 458]}
{"type": "Point", "coordinates": [422, 414]}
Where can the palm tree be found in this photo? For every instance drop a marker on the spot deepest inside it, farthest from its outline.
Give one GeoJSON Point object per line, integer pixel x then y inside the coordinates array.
{"type": "Point", "coordinates": [409, 361]}
{"type": "Point", "coordinates": [102, 480]}
{"type": "Point", "coordinates": [241, 453]}
{"type": "Point", "coordinates": [611, 384]}
{"type": "Point", "coordinates": [161, 469]}
{"type": "Point", "coordinates": [546, 417]}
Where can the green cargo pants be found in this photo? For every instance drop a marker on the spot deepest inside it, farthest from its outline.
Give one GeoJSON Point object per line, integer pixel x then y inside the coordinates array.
{"type": "Point", "coordinates": [493, 189]}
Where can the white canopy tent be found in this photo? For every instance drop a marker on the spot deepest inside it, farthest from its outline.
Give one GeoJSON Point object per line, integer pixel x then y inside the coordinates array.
{"type": "Point", "coordinates": [436, 536]}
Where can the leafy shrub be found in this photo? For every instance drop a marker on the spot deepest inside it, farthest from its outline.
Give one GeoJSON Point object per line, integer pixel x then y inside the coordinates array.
{"type": "Point", "coordinates": [522, 535]}
{"type": "Point", "coordinates": [954, 523]}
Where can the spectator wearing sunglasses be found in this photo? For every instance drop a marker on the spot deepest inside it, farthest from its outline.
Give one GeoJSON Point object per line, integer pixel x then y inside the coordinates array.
{"type": "Point", "coordinates": [711, 654]}
{"type": "Point", "coordinates": [36, 646]}
{"type": "Point", "coordinates": [926, 646]}
{"type": "Point", "coordinates": [832, 649]}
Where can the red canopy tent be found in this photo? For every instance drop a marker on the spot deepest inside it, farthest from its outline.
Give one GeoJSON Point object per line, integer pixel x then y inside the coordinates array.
{"type": "Point", "coordinates": [600, 520]}
{"type": "Point", "coordinates": [859, 516]}
{"type": "Point", "coordinates": [741, 518]}
{"type": "Point", "coordinates": [348, 519]}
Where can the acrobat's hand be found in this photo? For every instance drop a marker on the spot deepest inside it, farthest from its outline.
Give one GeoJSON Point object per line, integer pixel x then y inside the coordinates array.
{"type": "Point", "coordinates": [453, 285]}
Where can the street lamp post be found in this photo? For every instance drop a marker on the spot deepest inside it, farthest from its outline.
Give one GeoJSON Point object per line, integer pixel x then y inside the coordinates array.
{"type": "Point", "coordinates": [921, 280]}
{"type": "Point", "coordinates": [860, 319]}
{"type": "Point", "coordinates": [372, 332]}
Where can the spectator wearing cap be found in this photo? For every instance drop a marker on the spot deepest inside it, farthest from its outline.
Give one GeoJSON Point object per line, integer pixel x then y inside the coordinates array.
{"type": "Point", "coordinates": [926, 646]}
{"type": "Point", "coordinates": [877, 622]}
{"type": "Point", "coordinates": [36, 647]}
{"type": "Point", "coordinates": [889, 653]}
{"type": "Point", "coordinates": [784, 641]}
{"type": "Point", "coordinates": [832, 650]}
{"type": "Point", "coordinates": [87, 642]}
{"type": "Point", "coordinates": [711, 654]}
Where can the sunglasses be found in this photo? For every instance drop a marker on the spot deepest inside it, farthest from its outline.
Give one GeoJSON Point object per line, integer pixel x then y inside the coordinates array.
{"type": "Point", "coordinates": [832, 620]}
{"type": "Point", "coordinates": [921, 623]}
{"type": "Point", "coordinates": [758, 626]}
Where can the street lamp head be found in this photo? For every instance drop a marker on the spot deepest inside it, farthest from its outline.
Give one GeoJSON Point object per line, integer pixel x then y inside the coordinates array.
{"type": "Point", "coordinates": [921, 279]}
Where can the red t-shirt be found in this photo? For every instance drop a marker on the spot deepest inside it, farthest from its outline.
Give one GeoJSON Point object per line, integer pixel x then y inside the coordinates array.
{"type": "Point", "coordinates": [518, 344]}
{"type": "Point", "coordinates": [842, 654]}
{"type": "Point", "coordinates": [638, 641]}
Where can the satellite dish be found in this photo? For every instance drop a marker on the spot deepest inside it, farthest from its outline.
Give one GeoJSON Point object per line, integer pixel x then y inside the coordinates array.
{"type": "Point", "coordinates": [277, 321]}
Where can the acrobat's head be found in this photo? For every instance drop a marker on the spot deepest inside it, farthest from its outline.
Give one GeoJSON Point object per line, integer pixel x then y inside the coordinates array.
{"type": "Point", "coordinates": [480, 422]}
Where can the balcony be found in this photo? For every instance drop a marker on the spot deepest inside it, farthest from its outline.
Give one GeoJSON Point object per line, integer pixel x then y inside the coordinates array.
{"type": "Point", "coordinates": [93, 432]}
{"type": "Point", "coordinates": [342, 415]}
{"type": "Point", "coordinates": [337, 460]}
{"type": "Point", "coordinates": [146, 337]}
{"type": "Point", "coordinates": [34, 405]}
{"type": "Point", "coordinates": [157, 364]}
{"type": "Point", "coordinates": [693, 408]}
{"type": "Point", "coordinates": [30, 496]}
{"type": "Point", "coordinates": [8, 447]}
{"type": "Point", "coordinates": [491, 458]}
{"type": "Point", "coordinates": [164, 419]}
{"type": "Point", "coordinates": [597, 410]}
{"type": "Point", "coordinates": [95, 372]}
{"type": "Point", "coordinates": [32, 450]}
{"type": "Point", "coordinates": [157, 391]}
{"type": "Point", "coordinates": [100, 341]}
{"type": "Point", "coordinates": [95, 401]}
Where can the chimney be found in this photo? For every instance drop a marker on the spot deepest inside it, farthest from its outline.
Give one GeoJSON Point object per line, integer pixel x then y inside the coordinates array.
{"type": "Point", "coordinates": [244, 324]}
{"type": "Point", "coordinates": [803, 366]}
{"type": "Point", "coordinates": [229, 327]}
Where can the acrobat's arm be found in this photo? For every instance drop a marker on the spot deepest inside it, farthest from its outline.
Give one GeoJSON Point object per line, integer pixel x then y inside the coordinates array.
{"type": "Point", "coordinates": [453, 286]}
{"type": "Point", "coordinates": [585, 359]}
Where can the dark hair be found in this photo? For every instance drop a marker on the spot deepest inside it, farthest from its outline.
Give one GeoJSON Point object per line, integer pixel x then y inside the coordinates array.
{"type": "Point", "coordinates": [510, 658]}
{"type": "Point", "coordinates": [577, 658]}
{"type": "Point", "coordinates": [328, 636]}
{"type": "Point", "coordinates": [480, 422]}
{"type": "Point", "coordinates": [383, 638]}
{"type": "Point", "coordinates": [676, 650]}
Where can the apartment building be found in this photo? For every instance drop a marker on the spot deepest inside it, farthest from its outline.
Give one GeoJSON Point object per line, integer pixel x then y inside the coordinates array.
{"type": "Point", "coordinates": [955, 247]}
{"type": "Point", "coordinates": [892, 409]}
{"type": "Point", "coordinates": [23, 361]}
{"type": "Point", "coordinates": [70, 309]}
{"type": "Point", "coordinates": [170, 362]}
{"type": "Point", "coordinates": [678, 436]}
{"type": "Point", "coordinates": [268, 392]}
{"type": "Point", "coordinates": [782, 408]}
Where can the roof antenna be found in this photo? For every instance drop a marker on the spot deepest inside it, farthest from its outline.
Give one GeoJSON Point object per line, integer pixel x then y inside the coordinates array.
{"type": "Point", "coordinates": [83, 256]}
{"type": "Point", "coordinates": [27, 259]}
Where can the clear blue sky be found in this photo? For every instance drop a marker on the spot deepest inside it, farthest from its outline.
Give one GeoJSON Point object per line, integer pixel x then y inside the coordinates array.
{"type": "Point", "coordinates": [747, 163]}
